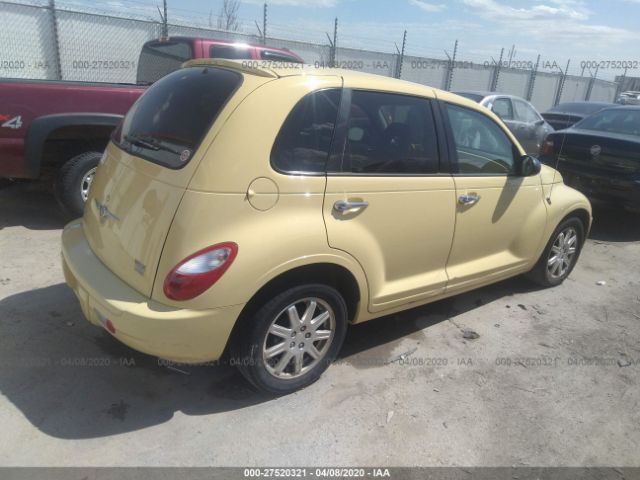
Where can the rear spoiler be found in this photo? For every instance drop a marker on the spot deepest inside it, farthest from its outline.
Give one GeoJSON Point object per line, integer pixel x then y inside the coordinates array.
{"type": "Point", "coordinates": [245, 66]}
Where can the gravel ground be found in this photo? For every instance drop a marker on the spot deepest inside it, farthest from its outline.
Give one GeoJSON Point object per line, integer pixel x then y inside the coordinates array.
{"type": "Point", "coordinates": [553, 378]}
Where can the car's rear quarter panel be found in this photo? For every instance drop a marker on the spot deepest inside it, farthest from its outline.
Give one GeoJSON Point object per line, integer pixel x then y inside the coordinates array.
{"type": "Point", "coordinates": [218, 204]}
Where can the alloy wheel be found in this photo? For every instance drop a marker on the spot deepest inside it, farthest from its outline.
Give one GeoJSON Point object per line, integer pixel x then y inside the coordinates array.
{"type": "Point", "coordinates": [85, 185]}
{"type": "Point", "coordinates": [562, 253]}
{"type": "Point", "coordinates": [299, 338]}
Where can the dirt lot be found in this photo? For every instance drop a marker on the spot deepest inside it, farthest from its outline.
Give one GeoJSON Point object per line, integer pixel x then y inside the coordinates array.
{"type": "Point", "coordinates": [553, 378]}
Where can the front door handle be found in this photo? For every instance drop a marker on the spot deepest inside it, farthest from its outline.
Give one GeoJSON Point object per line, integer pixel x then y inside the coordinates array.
{"type": "Point", "coordinates": [469, 199]}
{"type": "Point", "coordinates": [344, 205]}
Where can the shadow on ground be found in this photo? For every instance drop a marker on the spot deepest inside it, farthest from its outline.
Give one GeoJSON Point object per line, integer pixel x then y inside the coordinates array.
{"type": "Point", "coordinates": [611, 224]}
{"type": "Point", "coordinates": [72, 380]}
{"type": "Point", "coordinates": [30, 205]}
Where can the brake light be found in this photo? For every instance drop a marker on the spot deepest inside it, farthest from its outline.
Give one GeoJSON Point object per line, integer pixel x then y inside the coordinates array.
{"type": "Point", "coordinates": [110, 326]}
{"type": "Point", "coordinates": [548, 149]}
{"type": "Point", "coordinates": [198, 272]}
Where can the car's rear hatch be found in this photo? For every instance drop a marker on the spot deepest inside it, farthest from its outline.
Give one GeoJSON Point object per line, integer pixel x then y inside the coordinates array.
{"type": "Point", "coordinates": [605, 152]}
{"type": "Point", "coordinates": [149, 163]}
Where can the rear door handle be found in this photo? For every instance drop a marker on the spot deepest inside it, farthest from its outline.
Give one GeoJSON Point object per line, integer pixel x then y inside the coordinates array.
{"type": "Point", "coordinates": [468, 199]}
{"type": "Point", "coordinates": [344, 205]}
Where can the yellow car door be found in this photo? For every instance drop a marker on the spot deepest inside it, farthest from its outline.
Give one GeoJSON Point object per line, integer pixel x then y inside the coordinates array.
{"type": "Point", "coordinates": [386, 202]}
{"type": "Point", "coordinates": [500, 210]}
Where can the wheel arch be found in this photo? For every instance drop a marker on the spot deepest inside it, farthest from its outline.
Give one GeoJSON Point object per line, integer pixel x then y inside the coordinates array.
{"type": "Point", "coordinates": [328, 273]}
{"type": "Point", "coordinates": [583, 215]}
{"type": "Point", "coordinates": [44, 128]}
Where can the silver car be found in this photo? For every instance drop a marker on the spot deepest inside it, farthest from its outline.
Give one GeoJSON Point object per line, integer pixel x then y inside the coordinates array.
{"type": "Point", "coordinates": [629, 98]}
{"type": "Point", "coordinates": [520, 116]}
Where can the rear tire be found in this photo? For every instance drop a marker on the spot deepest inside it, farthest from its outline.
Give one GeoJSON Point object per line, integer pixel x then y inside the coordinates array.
{"type": "Point", "coordinates": [560, 255]}
{"type": "Point", "coordinates": [73, 182]}
{"type": "Point", "coordinates": [310, 324]}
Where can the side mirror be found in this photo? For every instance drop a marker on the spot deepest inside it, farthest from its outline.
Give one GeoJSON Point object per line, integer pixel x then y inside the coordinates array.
{"type": "Point", "coordinates": [527, 166]}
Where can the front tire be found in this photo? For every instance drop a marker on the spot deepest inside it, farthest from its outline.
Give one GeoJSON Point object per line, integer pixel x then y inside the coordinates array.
{"type": "Point", "coordinates": [73, 182]}
{"type": "Point", "coordinates": [560, 255]}
{"type": "Point", "coordinates": [291, 340]}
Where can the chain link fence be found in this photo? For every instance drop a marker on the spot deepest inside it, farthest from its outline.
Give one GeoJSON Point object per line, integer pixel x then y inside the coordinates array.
{"type": "Point", "coordinates": [40, 41]}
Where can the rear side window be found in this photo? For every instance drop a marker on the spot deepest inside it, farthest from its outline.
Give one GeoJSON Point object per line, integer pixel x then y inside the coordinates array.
{"type": "Point", "coordinates": [230, 51]}
{"type": "Point", "coordinates": [168, 122]}
{"type": "Point", "coordinates": [390, 134]}
{"type": "Point", "coordinates": [304, 141]}
{"type": "Point", "coordinates": [157, 59]}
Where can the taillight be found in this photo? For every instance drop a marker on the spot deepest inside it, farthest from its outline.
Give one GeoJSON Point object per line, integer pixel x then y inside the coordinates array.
{"type": "Point", "coordinates": [548, 148]}
{"type": "Point", "coordinates": [198, 272]}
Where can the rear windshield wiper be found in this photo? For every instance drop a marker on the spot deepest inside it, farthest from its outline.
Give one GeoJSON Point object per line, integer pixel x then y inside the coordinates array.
{"type": "Point", "coordinates": [146, 141]}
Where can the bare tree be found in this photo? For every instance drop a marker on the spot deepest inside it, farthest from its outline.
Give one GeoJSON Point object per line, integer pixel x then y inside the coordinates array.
{"type": "Point", "coordinates": [228, 17]}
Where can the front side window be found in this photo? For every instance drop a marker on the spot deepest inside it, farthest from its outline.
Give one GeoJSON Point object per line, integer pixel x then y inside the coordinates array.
{"type": "Point", "coordinates": [304, 141]}
{"type": "Point", "coordinates": [168, 122]}
{"type": "Point", "coordinates": [482, 147]}
{"type": "Point", "coordinates": [525, 112]}
{"type": "Point", "coordinates": [390, 134]}
{"type": "Point", "coordinates": [502, 107]}
{"type": "Point", "coordinates": [234, 52]}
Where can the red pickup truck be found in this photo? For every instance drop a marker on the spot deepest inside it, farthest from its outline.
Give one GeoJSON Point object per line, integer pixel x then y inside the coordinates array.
{"type": "Point", "coordinates": [58, 129]}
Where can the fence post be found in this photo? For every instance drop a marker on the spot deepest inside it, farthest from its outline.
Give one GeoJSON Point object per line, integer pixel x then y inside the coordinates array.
{"type": "Point", "coordinates": [452, 64]}
{"type": "Point", "coordinates": [332, 44]}
{"type": "Point", "coordinates": [592, 80]}
{"type": "Point", "coordinates": [620, 84]}
{"type": "Point", "coordinates": [264, 24]}
{"type": "Point", "coordinates": [165, 25]}
{"type": "Point", "coordinates": [57, 68]}
{"type": "Point", "coordinates": [561, 84]}
{"type": "Point", "coordinates": [400, 59]}
{"type": "Point", "coordinates": [532, 80]}
{"type": "Point", "coordinates": [496, 73]}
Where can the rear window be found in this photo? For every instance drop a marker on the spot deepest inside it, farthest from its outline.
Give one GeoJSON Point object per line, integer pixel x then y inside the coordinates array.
{"type": "Point", "coordinates": [168, 122]}
{"type": "Point", "coordinates": [157, 59]}
{"type": "Point", "coordinates": [237, 52]}
{"type": "Point", "coordinates": [277, 57]}
{"type": "Point", "coordinates": [615, 120]}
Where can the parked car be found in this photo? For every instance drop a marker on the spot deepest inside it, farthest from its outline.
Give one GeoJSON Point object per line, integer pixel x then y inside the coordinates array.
{"type": "Point", "coordinates": [565, 115]}
{"type": "Point", "coordinates": [60, 128]}
{"type": "Point", "coordinates": [519, 116]}
{"type": "Point", "coordinates": [600, 156]}
{"type": "Point", "coordinates": [360, 197]}
{"type": "Point", "coordinates": [629, 98]}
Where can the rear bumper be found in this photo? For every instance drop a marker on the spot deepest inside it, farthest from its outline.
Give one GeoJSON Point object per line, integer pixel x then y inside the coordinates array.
{"type": "Point", "coordinates": [180, 335]}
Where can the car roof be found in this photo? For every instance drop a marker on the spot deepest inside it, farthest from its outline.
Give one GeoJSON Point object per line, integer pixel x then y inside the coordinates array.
{"type": "Point", "coordinates": [487, 94]}
{"type": "Point", "coordinates": [351, 78]}
{"type": "Point", "coordinates": [580, 107]}
{"type": "Point", "coordinates": [221, 41]}
{"type": "Point", "coordinates": [622, 107]}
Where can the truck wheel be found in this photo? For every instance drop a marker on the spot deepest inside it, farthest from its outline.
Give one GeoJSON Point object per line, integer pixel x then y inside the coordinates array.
{"type": "Point", "coordinates": [292, 339]}
{"type": "Point", "coordinates": [74, 181]}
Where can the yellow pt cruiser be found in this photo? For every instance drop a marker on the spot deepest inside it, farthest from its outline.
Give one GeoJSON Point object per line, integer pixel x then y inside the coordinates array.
{"type": "Point", "coordinates": [258, 211]}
